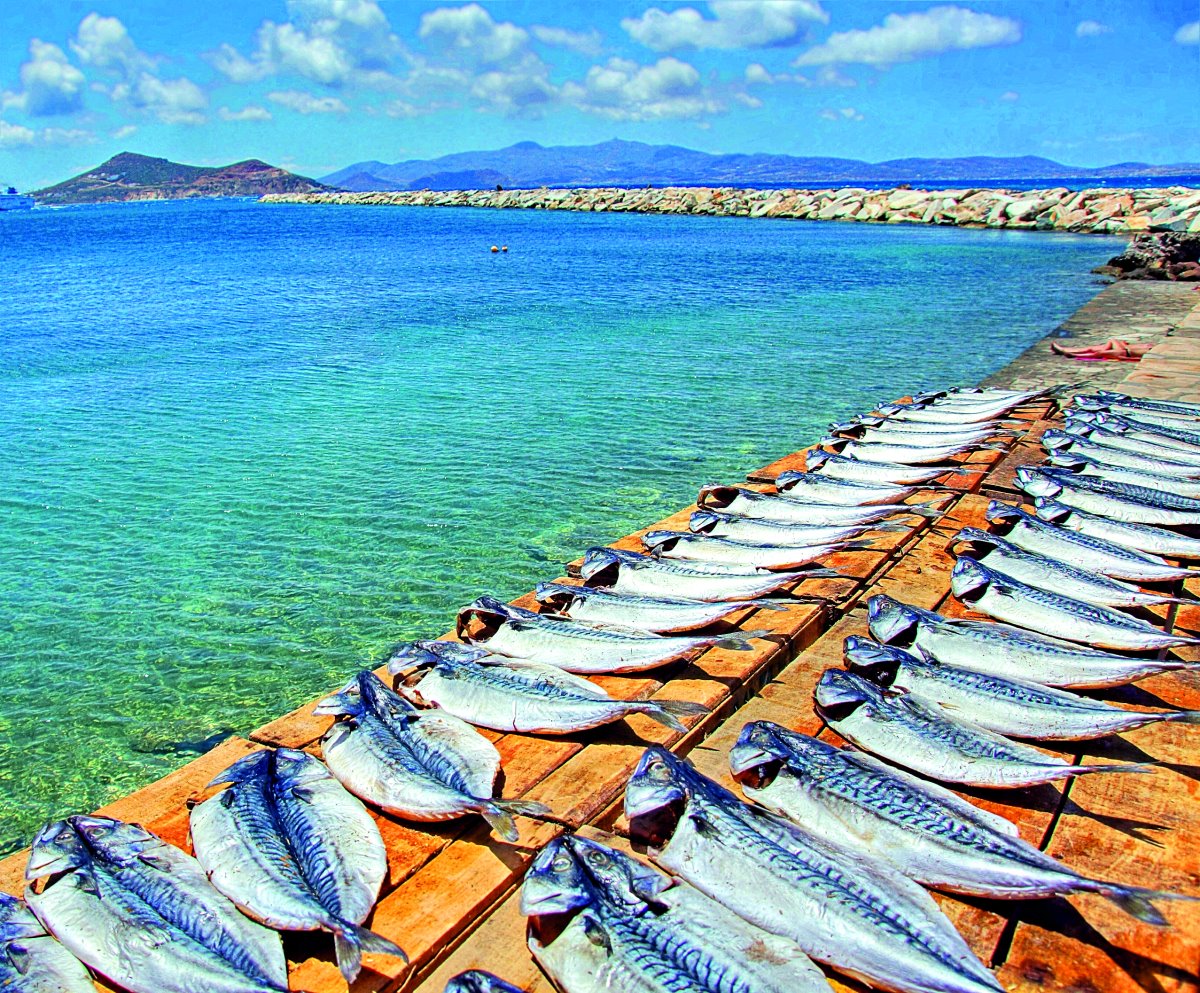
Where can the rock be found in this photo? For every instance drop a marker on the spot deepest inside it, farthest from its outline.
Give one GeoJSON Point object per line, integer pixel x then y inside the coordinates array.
{"type": "Point", "coordinates": [902, 199]}
{"type": "Point", "coordinates": [1108, 270]}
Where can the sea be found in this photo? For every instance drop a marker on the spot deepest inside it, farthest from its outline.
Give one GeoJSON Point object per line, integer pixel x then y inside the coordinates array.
{"type": "Point", "coordinates": [245, 448]}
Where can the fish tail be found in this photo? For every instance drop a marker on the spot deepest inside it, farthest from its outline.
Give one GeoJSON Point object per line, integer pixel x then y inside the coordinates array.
{"type": "Point", "coordinates": [821, 572]}
{"type": "Point", "coordinates": [770, 604]}
{"type": "Point", "coordinates": [499, 814]}
{"type": "Point", "coordinates": [1143, 767]}
{"type": "Point", "coordinates": [890, 526]}
{"type": "Point", "coordinates": [1183, 716]}
{"type": "Point", "coordinates": [668, 712]}
{"type": "Point", "coordinates": [1137, 901]}
{"type": "Point", "coordinates": [739, 641]}
{"type": "Point", "coordinates": [923, 509]}
{"type": "Point", "coordinates": [351, 940]}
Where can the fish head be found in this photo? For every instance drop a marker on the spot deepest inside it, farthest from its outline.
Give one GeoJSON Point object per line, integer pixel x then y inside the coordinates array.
{"type": "Point", "coordinates": [410, 656]}
{"type": "Point", "coordinates": [1086, 415]}
{"type": "Point", "coordinates": [787, 479]}
{"type": "Point", "coordinates": [1064, 460]}
{"type": "Point", "coordinates": [969, 579]}
{"type": "Point", "coordinates": [829, 441]}
{"type": "Point", "coordinates": [976, 540]}
{"type": "Point", "coordinates": [17, 921]}
{"type": "Point", "coordinates": [813, 460]}
{"type": "Point", "coordinates": [1075, 430]}
{"type": "Point", "coordinates": [849, 428]}
{"type": "Point", "coordinates": [346, 701]}
{"type": "Point", "coordinates": [1111, 423]}
{"type": "Point", "coordinates": [717, 497]}
{"type": "Point", "coordinates": [839, 694]}
{"type": "Point", "coordinates": [759, 754]}
{"type": "Point", "coordinates": [618, 875]}
{"type": "Point", "coordinates": [1089, 403]}
{"type": "Point", "coordinates": [556, 882]}
{"type": "Point", "coordinates": [1003, 513]}
{"type": "Point", "coordinates": [297, 770]}
{"type": "Point", "coordinates": [1057, 440]}
{"type": "Point", "coordinates": [660, 541]}
{"type": "Point", "coordinates": [703, 521]}
{"type": "Point", "coordinates": [1050, 510]}
{"type": "Point", "coordinates": [1034, 482]}
{"type": "Point", "coordinates": [365, 692]}
{"type": "Point", "coordinates": [57, 847]}
{"type": "Point", "coordinates": [656, 795]}
{"type": "Point", "coordinates": [556, 595]}
{"type": "Point", "coordinates": [478, 981]}
{"type": "Point", "coordinates": [890, 621]}
{"type": "Point", "coordinates": [600, 566]}
{"type": "Point", "coordinates": [481, 619]}
{"type": "Point", "coordinates": [878, 663]}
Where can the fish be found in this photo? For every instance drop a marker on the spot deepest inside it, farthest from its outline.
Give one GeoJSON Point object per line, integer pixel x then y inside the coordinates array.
{"type": "Point", "coordinates": [1082, 465]}
{"type": "Point", "coordinates": [744, 554]}
{"type": "Point", "coordinates": [905, 454]}
{"type": "Point", "coordinates": [517, 694]}
{"type": "Point", "coordinates": [423, 765]}
{"type": "Point", "coordinates": [1139, 539]}
{"type": "Point", "coordinates": [915, 733]}
{"type": "Point", "coordinates": [927, 832]}
{"type": "Point", "coordinates": [921, 414]}
{"type": "Point", "coordinates": [774, 532]}
{"type": "Point", "coordinates": [813, 489]}
{"type": "Point", "coordinates": [581, 646]}
{"type": "Point", "coordinates": [1052, 574]}
{"type": "Point", "coordinates": [1168, 418]}
{"type": "Point", "coordinates": [1088, 551]}
{"type": "Point", "coordinates": [841, 906]}
{"type": "Point", "coordinates": [1117, 441]}
{"type": "Point", "coordinates": [1003, 650]}
{"type": "Point", "coordinates": [1065, 441]}
{"type": "Point", "coordinates": [1119, 501]}
{"type": "Point", "coordinates": [794, 506]}
{"type": "Point", "coordinates": [1141, 403]}
{"type": "Point", "coordinates": [665, 615]}
{"type": "Point", "coordinates": [1016, 708]}
{"type": "Point", "coordinates": [30, 960]}
{"type": "Point", "coordinates": [892, 425]}
{"type": "Point", "coordinates": [1161, 438]}
{"type": "Point", "coordinates": [143, 914]}
{"type": "Point", "coordinates": [287, 843]}
{"type": "Point", "coordinates": [1000, 596]}
{"type": "Point", "coordinates": [600, 920]}
{"type": "Point", "coordinates": [844, 467]}
{"type": "Point", "coordinates": [478, 981]}
{"type": "Point", "coordinates": [634, 573]}
{"type": "Point", "coordinates": [871, 435]}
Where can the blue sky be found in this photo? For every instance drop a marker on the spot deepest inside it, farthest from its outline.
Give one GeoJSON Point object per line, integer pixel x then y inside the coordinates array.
{"type": "Point", "coordinates": [315, 85]}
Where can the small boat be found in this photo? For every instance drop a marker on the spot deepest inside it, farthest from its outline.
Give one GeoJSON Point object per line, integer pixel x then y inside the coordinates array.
{"type": "Point", "coordinates": [12, 200]}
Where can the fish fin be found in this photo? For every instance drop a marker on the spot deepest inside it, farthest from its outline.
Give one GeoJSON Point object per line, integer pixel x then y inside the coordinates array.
{"type": "Point", "coordinates": [346, 701]}
{"type": "Point", "coordinates": [351, 940]}
{"type": "Point", "coordinates": [155, 861]}
{"type": "Point", "coordinates": [820, 572]}
{"type": "Point", "coordinates": [855, 546]}
{"type": "Point", "coordinates": [739, 641]}
{"type": "Point", "coordinates": [1137, 901]}
{"type": "Point", "coordinates": [243, 769]}
{"type": "Point", "coordinates": [1143, 767]}
{"type": "Point", "coordinates": [1183, 716]}
{"type": "Point", "coordinates": [889, 526]}
{"type": "Point", "coordinates": [668, 712]}
{"type": "Point", "coordinates": [18, 956]}
{"type": "Point", "coordinates": [596, 934]}
{"type": "Point", "coordinates": [768, 604]}
{"type": "Point", "coordinates": [499, 814]}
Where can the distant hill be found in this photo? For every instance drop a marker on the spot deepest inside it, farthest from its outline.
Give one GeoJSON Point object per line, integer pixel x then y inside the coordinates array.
{"type": "Point", "coordinates": [633, 163]}
{"type": "Point", "coordinates": [129, 176]}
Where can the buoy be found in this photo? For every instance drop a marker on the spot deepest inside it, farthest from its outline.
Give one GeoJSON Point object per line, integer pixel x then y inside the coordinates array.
{"type": "Point", "coordinates": [495, 249]}
{"type": "Point", "coordinates": [504, 248]}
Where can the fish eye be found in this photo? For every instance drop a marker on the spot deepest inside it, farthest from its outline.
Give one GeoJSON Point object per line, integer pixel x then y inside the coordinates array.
{"type": "Point", "coordinates": [561, 863]}
{"type": "Point", "coordinates": [658, 770]}
{"type": "Point", "coordinates": [597, 858]}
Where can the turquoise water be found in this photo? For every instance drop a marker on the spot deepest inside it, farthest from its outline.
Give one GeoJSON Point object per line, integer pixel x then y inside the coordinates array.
{"type": "Point", "coordinates": [245, 448]}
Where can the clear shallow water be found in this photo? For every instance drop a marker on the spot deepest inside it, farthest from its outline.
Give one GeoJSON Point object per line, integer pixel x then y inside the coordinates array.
{"type": "Point", "coordinates": [243, 449]}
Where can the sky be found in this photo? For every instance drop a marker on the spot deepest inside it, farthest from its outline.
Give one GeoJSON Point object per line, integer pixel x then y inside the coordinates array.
{"type": "Point", "coordinates": [315, 85]}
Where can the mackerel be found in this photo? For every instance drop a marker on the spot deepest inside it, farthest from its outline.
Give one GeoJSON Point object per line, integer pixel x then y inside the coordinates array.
{"type": "Point", "coordinates": [144, 915]}
{"type": "Point", "coordinates": [1119, 501]}
{"type": "Point", "coordinates": [646, 575]}
{"type": "Point", "coordinates": [820, 488]}
{"type": "Point", "coordinates": [849, 503]}
{"type": "Point", "coordinates": [1166, 418]}
{"type": "Point", "coordinates": [1176, 406]}
{"type": "Point", "coordinates": [842, 466]}
{"type": "Point", "coordinates": [743, 554]}
{"type": "Point", "coordinates": [580, 646]}
{"type": "Point", "coordinates": [30, 960]}
{"type": "Point", "coordinates": [1002, 650]}
{"type": "Point", "coordinates": [843, 907]}
{"type": "Point", "coordinates": [1123, 442]}
{"type": "Point", "coordinates": [1183, 443]}
{"type": "Point", "coordinates": [892, 425]}
{"type": "Point", "coordinates": [665, 615]}
{"type": "Point", "coordinates": [927, 832]}
{"type": "Point", "coordinates": [1018, 708]}
{"type": "Point", "coordinates": [1083, 465]}
{"type": "Point", "coordinates": [1089, 551]}
{"type": "Point", "coordinates": [423, 765]}
{"type": "Point", "coordinates": [919, 414]}
{"type": "Point", "coordinates": [1054, 575]}
{"type": "Point", "coordinates": [903, 454]}
{"type": "Point", "coordinates": [1001, 596]}
{"type": "Point", "coordinates": [777, 533]}
{"type": "Point", "coordinates": [478, 981]}
{"type": "Point", "coordinates": [917, 734]}
{"type": "Point", "coordinates": [289, 845]}
{"type": "Point", "coordinates": [600, 920]}
{"type": "Point", "coordinates": [1065, 441]}
{"type": "Point", "coordinates": [516, 694]}
{"type": "Point", "coordinates": [870, 435]}
{"type": "Point", "coordinates": [1142, 539]}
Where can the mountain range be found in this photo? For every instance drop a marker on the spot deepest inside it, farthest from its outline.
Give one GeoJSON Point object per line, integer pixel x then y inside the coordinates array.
{"type": "Point", "coordinates": [632, 163]}
{"type": "Point", "coordinates": [129, 176]}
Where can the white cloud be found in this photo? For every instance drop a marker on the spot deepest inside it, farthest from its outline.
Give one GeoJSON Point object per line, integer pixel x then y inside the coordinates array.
{"type": "Point", "coordinates": [307, 103]}
{"type": "Point", "coordinates": [1189, 34]}
{"type": "Point", "coordinates": [332, 42]}
{"type": "Point", "coordinates": [1091, 29]}
{"type": "Point", "coordinates": [124, 131]}
{"type": "Point", "coordinates": [251, 112]}
{"type": "Point", "coordinates": [1010, 96]}
{"type": "Point", "coordinates": [15, 134]}
{"type": "Point", "coordinates": [471, 35]}
{"type": "Point", "coordinates": [66, 136]}
{"type": "Point", "coordinates": [734, 24]}
{"type": "Point", "coordinates": [841, 114]}
{"type": "Point", "coordinates": [104, 42]}
{"type": "Point", "coordinates": [50, 85]}
{"type": "Point", "coordinates": [625, 91]}
{"type": "Point", "coordinates": [583, 42]}
{"type": "Point", "coordinates": [831, 76]}
{"type": "Point", "coordinates": [758, 74]}
{"type": "Point", "coordinates": [909, 37]}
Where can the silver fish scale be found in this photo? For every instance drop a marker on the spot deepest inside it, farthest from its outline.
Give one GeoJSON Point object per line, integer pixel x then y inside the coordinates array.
{"type": "Point", "coordinates": [411, 753]}
{"type": "Point", "coordinates": [1129, 491]}
{"type": "Point", "coordinates": [670, 959]}
{"type": "Point", "coordinates": [1078, 537]}
{"type": "Point", "coordinates": [994, 686]}
{"type": "Point", "coordinates": [581, 630]}
{"type": "Point", "coordinates": [503, 677]}
{"type": "Point", "coordinates": [1086, 611]}
{"type": "Point", "coordinates": [928, 724]}
{"type": "Point", "coordinates": [145, 895]}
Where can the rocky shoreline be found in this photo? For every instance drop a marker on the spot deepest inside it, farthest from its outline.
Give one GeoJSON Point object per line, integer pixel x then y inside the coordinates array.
{"type": "Point", "coordinates": [1094, 211]}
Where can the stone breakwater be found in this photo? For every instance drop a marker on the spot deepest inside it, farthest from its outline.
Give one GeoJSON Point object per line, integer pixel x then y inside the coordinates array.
{"type": "Point", "coordinates": [1097, 211]}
